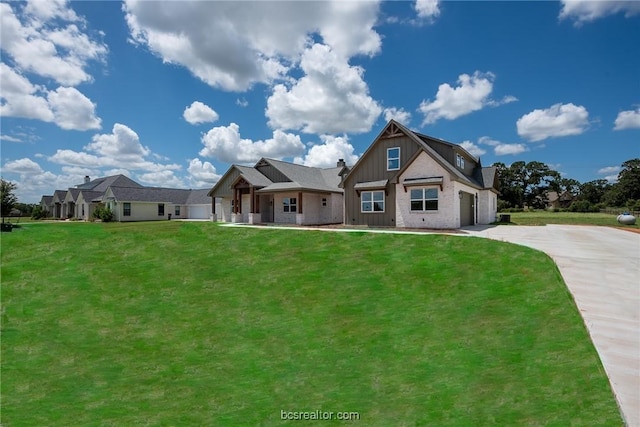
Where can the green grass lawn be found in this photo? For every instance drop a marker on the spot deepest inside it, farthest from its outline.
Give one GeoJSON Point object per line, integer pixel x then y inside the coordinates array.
{"type": "Point", "coordinates": [577, 218]}
{"type": "Point", "coordinates": [175, 323]}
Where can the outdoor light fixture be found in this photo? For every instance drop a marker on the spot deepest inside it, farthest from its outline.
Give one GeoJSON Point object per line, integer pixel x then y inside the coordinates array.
{"type": "Point", "coordinates": [460, 194]}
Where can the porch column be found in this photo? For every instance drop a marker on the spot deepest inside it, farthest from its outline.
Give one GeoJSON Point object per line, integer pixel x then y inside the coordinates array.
{"type": "Point", "coordinates": [253, 200]}
{"type": "Point", "coordinates": [299, 201]}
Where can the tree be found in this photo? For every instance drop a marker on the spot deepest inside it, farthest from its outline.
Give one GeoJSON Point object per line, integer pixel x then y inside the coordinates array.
{"type": "Point", "coordinates": [526, 184]}
{"type": "Point", "coordinates": [594, 191]}
{"type": "Point", "coordinates": [7, 198]}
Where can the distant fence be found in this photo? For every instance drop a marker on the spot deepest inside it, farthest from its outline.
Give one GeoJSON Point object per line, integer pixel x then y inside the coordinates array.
{"type": "Point", "coordinates": [619, 211]}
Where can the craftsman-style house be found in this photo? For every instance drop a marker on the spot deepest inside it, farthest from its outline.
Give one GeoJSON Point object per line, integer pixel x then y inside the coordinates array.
{"type": "Point", "coordinates": [274, 191]}
{"type": "Point", "coordinates": [405, 179]}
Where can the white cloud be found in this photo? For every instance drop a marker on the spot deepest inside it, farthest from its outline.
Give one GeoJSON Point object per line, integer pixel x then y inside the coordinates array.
{"type": "Point", "coordinates": [65, 106]}
{"type": "Point", "coordinates": [628, 120]}
{"type": "Point", "coordinates": [609, 170]}
{"type": "Point", "coordinates": [10, 138]}
{"type": "Point", "coordinates": [501, 148]}
{"type": "Point", "coordinates": [232, 46]}
{"type": "Point", "coordinates": [21, 166]}
{"type": "Point", "coordinates": [73, 110]}
{"type": "Point", "coordinates": [427, 9]}
{"type": "Point", "coordinates": [330, 98]}
{"type": "Point", "coordinates": [120, 149]}
{"type": "Point", "coordinates": [583, 11]}
{"type": "Point", "coordinates": [471, 94]}
{"type": "Point", "coordinates": [327, 154]}
{"type": "Point", "coordinates": [557, 120]}
{"type": "Point", "coordinates": [198, 113]}
{"type": "Point", "coordinates": [163, 178]}
{"type": "Point", "coordinates": [34, 36]}
{"type": "Point", "coordinates": [473, 149]}
{"type": "Point", "coordinates": [202, 174]}
{"type": "Point", "coordinates": [509, 149]}
{"type": "Point", "coordinates": [225, 144]}
{"type": "Point", "coordinates": [398, 114]}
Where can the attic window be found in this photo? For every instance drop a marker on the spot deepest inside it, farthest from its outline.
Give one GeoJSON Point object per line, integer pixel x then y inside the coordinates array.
{"type": "Point", "coordinates": [459, 161]}
{"type": "Point", "coordinates": [393, 158]}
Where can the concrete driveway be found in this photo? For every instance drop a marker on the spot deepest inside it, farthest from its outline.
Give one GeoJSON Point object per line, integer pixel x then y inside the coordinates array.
{"type": "Point", "coordinates": [601, 267]}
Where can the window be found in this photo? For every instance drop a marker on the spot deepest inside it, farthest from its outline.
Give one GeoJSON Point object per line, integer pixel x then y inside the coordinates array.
{"type": "Point", "coordinates": [372, 201]}
{"type": "Point", "coordinates": [177, 210]}
{"type": "Point", "coordinates": [126, 209]}
{"type": "Point", "coordinates": [459, 161]}
{"type": "Point", "coordinates": [424, 199]}
{"type": "Point", "coordinates": [160, 209]}
{"type": "Point", "coordinates": [393, 158]}
{"type": "Point", "coordinates": [324, 201]}
{"type": "Point", "coordinates": [289, 204]}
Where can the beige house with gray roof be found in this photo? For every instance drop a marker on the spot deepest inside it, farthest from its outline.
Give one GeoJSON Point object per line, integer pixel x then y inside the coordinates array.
{"type": "Point", "coordinates": [406, 179]}
{"type": "Point", "coordinates": [274, 191]}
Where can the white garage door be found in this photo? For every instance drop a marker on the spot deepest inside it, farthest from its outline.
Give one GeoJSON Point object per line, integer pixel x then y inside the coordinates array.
{"type": "Point", "coordinates": [199, 212]}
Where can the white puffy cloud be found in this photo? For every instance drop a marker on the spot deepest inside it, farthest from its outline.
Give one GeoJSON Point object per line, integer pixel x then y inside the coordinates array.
{"type": "Point", "coordinates": [119, 149]}
{"type": "Point", "coordinates": [427, 9]}
{"type": "Point", "coordinates": [509, 149]}
{"type": "Point", "coordinates": [232, 46]}
{"type": "Point", "coordinates": [198, 113]}
{"type": "Point", "coordinates": [609, 170]}
{"type": "Point", "coordinates": [330, 98]}
{"type": "Point", "coordinates": [21, 166]}
{"type": "Point", "coordinates": [225, 144]}
{"type": "Point", "coordinates": [557, 120]}
{"type": "Point", "coordinates": [473, 149]}
{"type": "Point", "coordinates": [628, 120]}
{"type": "Point", "coordinates": [202, 174]}
{"type": "Point", "coordinates": [163, 178]}
{"type": "Point", "coordinates": [471, 94]}
{"type": "Point", "coordinates": [65, 106]}
{"type": "Point", "coordinates": [583, 11]}
{"type": "Point", "coordinates": [72, 110]}
{"type": "Point", "coordinates": [327, 154]}
{"type": "Point", "coordinates": [397, 114]}
{"type": "Point", "coordinates": [501, 148]}
{"type": "Point", "coordinates": [38, 42]}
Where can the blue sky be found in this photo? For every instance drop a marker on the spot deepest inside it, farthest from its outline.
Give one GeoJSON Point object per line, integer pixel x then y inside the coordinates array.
{"type": "Point", "coordinates": [172, 93]}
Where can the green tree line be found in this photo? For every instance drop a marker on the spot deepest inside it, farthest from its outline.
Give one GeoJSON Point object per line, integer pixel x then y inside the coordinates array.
{"type": "Point", "coordinates": [525, 184]}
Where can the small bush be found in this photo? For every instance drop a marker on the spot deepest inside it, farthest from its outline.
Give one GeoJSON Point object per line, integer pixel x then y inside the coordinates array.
{"type": "Point", "coordinates": [38, 213]}
{"type": "Point", "coordinates": [103, 213]}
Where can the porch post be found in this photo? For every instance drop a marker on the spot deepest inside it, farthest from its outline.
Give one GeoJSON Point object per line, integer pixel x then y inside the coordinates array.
{"type": "Point", "coordinates": [299, 201]}
{"type": "Point", "coordinates": [253, 201]}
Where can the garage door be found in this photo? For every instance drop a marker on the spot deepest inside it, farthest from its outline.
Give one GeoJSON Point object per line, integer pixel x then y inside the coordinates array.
{"type": "Point", "coordinates": [199, 212]}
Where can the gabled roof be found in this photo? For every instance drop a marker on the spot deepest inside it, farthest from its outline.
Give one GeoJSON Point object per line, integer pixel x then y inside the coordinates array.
{"type": "Point", "coordinates": [176, 196]}
{"type": "Point", "coordinates": [101, 184]}
{"type": "Point", "coordinates": [46, 200]}
{"type": "Point", "coordinates": [421, 141]}
{"type": "Point", "coordinates": [304, 177]}
{"type": "Point", "coordinates": [198, 197]}
{"type": "Point", "coordinates": [72, 194]}
{"type": "Point", "coordinates": [58, 196]}
{"type": "Point", "coordinates": [91, 196]}
{"type": "Point", "coordinates": [253, 176]}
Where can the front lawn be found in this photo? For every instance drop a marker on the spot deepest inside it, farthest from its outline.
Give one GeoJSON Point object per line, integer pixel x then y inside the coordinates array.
{"type": "Point", "coordinates": [571, 218]}
{"type": "Point", "coordinates": [174, 323]}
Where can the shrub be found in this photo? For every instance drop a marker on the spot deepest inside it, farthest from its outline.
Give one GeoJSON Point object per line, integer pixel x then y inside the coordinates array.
{"type": "Point", "coordinates": [103, 213]}
{"type": "Point", "coordinates": [583, 206]}
{"type": "Point", "coordinates": [38, 213]}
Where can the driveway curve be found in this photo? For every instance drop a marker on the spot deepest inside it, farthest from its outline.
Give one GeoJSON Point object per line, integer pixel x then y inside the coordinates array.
{"type": "Point", "coordinates": [601, 267]}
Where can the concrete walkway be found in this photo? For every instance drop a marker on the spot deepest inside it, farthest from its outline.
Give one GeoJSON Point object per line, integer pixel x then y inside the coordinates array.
{"type": "Point", "coordinates": [601, 267]}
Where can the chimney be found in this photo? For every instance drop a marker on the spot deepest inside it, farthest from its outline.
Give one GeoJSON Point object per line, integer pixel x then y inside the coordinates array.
{"type": "Point", "coordinates": [341, 163]}
{"type": "Point", "coordinates": [86, 179]}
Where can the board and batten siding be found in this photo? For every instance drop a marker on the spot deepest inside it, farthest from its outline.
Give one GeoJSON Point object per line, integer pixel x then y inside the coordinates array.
{"type": "Point", "coordinates": [224, 188]}
{"type": "Point", "coordinates": [373, 167]}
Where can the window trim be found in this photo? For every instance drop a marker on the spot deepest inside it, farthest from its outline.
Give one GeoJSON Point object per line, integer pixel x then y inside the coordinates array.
{"type": "Point", "coordinates": [289, 205]}
{"type": "Point", "coordinates": [424, 200]}
{"type": "Point", "coordinates": [161, 206]}
{"type": "Point", "coordinates": [372, 201]}
{"type": "Point", "coordinates": [124, 209]}
{"type": "Point", "coordinates": [177, 210]}
{"type": "Point", "coordinates": [393, 158]}
{"type": "Point", "coordinates": [460, 160]}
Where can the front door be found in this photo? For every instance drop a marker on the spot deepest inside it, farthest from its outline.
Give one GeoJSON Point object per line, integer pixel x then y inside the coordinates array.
{"type": "Point", "coordinates": [467, 213]}
{"type": "Point", "coordinates": [266, 208]}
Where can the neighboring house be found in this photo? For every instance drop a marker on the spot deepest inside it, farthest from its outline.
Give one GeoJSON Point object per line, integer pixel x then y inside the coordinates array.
{"type": "Point", "coordinates": [405, 179]}
{"type": "Point", "coordinates": [45, 204]}
{"type": "Point", "coordinates": [155, 203]}
{"type": "Point", "coordinates": [87, 202]}
{"type": "Point", "coordinates": [57, 200]}
{"type": "Point", "coordinates": [274, 191]}
{"type": "Point", "coordinates": [557, 200]}
{"type": "Point", "coordinates": [69, 203]}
